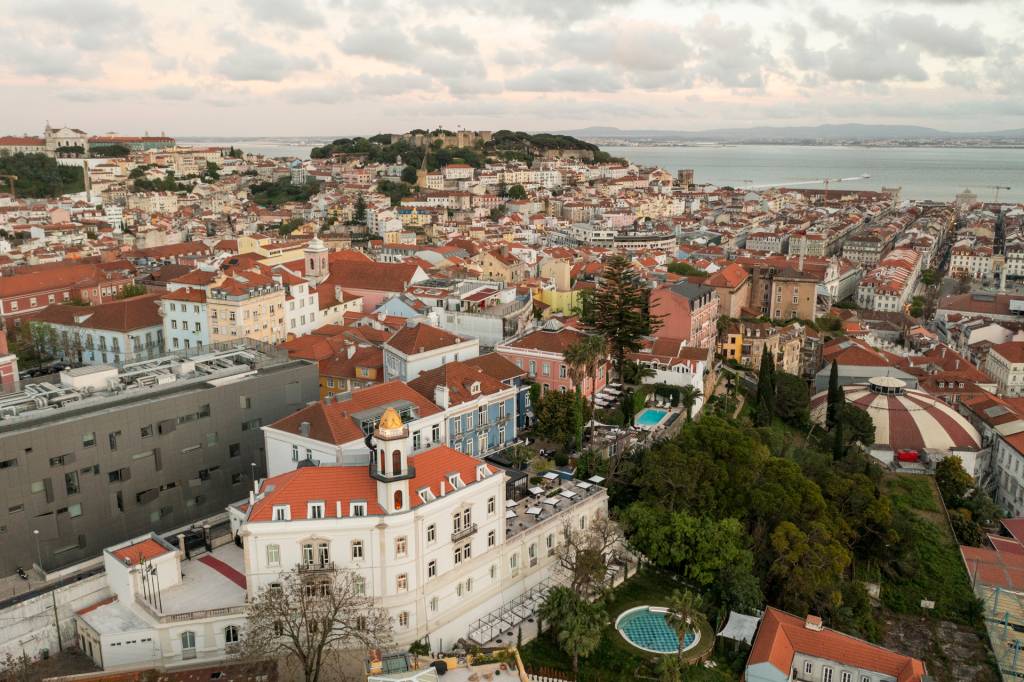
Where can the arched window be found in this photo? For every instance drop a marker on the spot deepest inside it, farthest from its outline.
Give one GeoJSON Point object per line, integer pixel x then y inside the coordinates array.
{"type": "Point", "coordinates": [398, 500]}
{"type": "Point", "coordinates": [396, 463]}
{"type": "Point", "coordinates": [383, 461]}
{"type": "Point", "coordinates": [188, 644]}
{"type": "Point", "coordinates": [231, 635]}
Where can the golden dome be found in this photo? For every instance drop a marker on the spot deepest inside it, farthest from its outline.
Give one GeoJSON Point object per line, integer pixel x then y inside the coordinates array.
{"type": "Point", "coordinates": [390, 420]}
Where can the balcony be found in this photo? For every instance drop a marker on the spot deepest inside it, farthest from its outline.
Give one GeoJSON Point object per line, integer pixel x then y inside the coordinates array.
{"type": "Point", "coordinates": [317, 567]}
{"type": "Point", "coordinates": [375, 473]}
{"type": "Point", "coordinates": [464, 532]}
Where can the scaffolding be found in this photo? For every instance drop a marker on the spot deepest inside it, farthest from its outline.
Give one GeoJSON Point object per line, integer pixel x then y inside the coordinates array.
{"type": "Point", "coordinates": [1004, 620]}
{"type": "Point", "coordinates": [510, 614]}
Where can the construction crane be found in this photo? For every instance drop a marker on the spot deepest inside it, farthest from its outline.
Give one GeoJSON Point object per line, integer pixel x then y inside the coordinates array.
{"type": "Point", "coordinates": [826, 182]}
{"type": "Point", "coordinates": [997, 188]}
{"type": "Point", "coordinates": [11, 179]}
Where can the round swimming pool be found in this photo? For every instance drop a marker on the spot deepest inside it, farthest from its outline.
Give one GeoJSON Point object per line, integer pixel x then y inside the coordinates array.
{"type": "Point", "coordinates": [645, 628]}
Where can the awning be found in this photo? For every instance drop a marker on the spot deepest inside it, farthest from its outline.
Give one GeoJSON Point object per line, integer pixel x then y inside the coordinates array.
{"type": "Point", "coordinates": [536, 490]}
{"type": "Point", "coordinates": [568, 493]}
{"type": "Point", "coordinates": [740, 627]}
{"type": "Point", "coordinates": [551, 500]}
{"type": "Point", "coordinates": [533, 511]}
{"type": "Point", "coordinates": [551, 476]}
{"type": "Point", "coordinates": [584, 485]}
{"type": "Point", "coordinates": [596, 479]}
{"type": "Point", "coordinates": [510, 514]}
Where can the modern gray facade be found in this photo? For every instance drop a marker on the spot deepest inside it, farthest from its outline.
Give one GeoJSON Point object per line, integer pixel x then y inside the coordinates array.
{"type": "Point", "coordinates": [110, 454]}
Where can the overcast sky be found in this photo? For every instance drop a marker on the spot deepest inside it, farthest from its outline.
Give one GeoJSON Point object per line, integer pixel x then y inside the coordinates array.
{"type": "Point", "coordinates": [335, 67]}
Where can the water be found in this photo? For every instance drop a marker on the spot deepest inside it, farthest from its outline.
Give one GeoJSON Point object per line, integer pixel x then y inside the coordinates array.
{"type": "Point", "coordinates": [937, 173]}
{"type": "Point", "coordinates": [650, 417]}
{"type": "Point", "coordinates": [650, 630]}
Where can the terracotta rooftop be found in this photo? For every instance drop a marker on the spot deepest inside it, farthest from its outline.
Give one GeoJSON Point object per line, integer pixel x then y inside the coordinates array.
{"type": "Point", "coordinates": [422, 338]}
{"type": "Point", "coordinates": [141, 551]}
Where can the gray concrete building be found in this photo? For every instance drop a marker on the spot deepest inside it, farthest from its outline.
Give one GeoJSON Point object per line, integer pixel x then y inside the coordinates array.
{"type": "Point", "coordinates": [110, 453]}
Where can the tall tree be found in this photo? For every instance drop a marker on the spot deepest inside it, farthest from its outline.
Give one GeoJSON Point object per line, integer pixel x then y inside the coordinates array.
{"type": "Point", "coordinates": [311, 617]}
{"type": "Point", "coordinates": [764, 406]}
{"type": "Point", "coordinates": [688, 397]}
{"type": "Point", "coordinates": [836, 396]}
{"type": "Point", "coordinates": [589, 354]}
{"type": "Point", "coordinates": [576, 623]}
{"type": "Point", "coordinates": [359, 215]}
{"type": "Point", "coordinates": [622, 311]}
{"type": "Point", "coordinates": [838, 440]}
{"type": "Point", "coordinates": [584, 555]}
{"type": "Point", "coordinates": [683, 611]}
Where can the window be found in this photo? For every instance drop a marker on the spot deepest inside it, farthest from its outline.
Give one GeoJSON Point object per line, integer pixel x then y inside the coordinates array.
{"type": "Point", "coordinates": [456, 522]}
{"type": "Point", "coordinates": [402, 582]}
{"type": "Point", "coordinates": [400, 546]}
{"type": "Point", "coordinates": [432, 532]}
{"type": "Point", "coordinates": [8, 463]}
{"type": "Point", "coordinates": [357, 509]}
{"type": "Point", "coordinates": [89, 439]}
{"type": "Point", "coordinates": [307, 554]}
{"type": "Point", "coordinates": [433, 604]}
{"type": "Point", "coordinates": [583, 523]}
{"type": "Point", "coordinates": [314, 510]}
{"type": "Point", "coordinates": [826, 674]}
{"type": "Point", "coordinates": [466, 518]}
{"type": "Point", "coordinates": [431, 568]}
{"type": "Point", "coordinates": [513, 562]}
{"type": "Point", "coordinates": [562, 372]}
{"type": "Point", "coordinates": [357, 549]}
{"type": "Point", "coordinates": [231, 635]}
{"type": "Point", "coordinates": [458, 590]}
{"type": "Point", "coordinates": [417, 440]}
{"type": "Point", "coordinates": [494, 571]}
{"type": "Point", "coordinates": [469, 584]}
{"type": "Point", "coordinates": [273, 555]}
{"type": "Point", "coordinates": [458, 555]}
{"type": "Point", "coordinates": [490, 505]}
{"type": "Point", "coordinates": [490, 538]}
{"type": "Point", "coordinates": [845, 676]}
{"type": "Point", "coordinates": [295, 453]}
{"type": "Point", "coordinates": [74, 510]}
{"type": "Point", "coordinates": [467, 550]}
{"type": "Point", "coordinates": [188, 644]}
{"type": "Point", "coordinates": [403, 619]}
{"type": "Point", "coordinates": [435, 433]}
{"type": "Point", "coordinates": [146, 431]}
{"type": "Point", "coordinates": [359, 584]}
{"type": "Point", "coordinates": [323, 554]}
{"type": "Point", "coordinates": [71, 482]}
{"type": "Point", "coordinates": [282, 512]}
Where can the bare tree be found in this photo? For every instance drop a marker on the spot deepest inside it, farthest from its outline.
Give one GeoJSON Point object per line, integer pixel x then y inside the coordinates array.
{"type": "Point", "coordinates": [310, 616]}
{"type": "Point", "coordinates": [585, 554]}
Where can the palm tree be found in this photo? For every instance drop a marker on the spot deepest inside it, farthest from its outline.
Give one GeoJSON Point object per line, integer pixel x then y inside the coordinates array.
{"type": "Point", "coordinates": [684, 609]}
{"type": "Point", "coordinates": [688, 396]}
{"type": "Point", "coordinates": [577, 624]}
{"type": "Point", "coordinates": [635, 373]}
{"type": "Point", "coordinates": [590, 353]}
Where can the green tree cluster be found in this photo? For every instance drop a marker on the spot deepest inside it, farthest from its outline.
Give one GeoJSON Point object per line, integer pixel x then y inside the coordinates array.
{"type": "Point", "coordinates": [396, 191]}
{"type": "Point", "coordinates": [576, 623]}
{"type": "Point", "coordinates": [764, 400]}
{"type": "Point", "coordinates": [40, 176]}
{"type": "Point", "coordinates": [282, 191]}
{"type": "Point", "coordinates": [971, 510]}
{"type": "Point", "coordinates": [109, 151]}
{"type": "Point", "coordinates": [684, 269]}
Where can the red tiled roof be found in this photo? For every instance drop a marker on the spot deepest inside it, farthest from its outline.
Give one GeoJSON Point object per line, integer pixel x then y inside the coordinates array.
{"type": "Point", "coordinates": [124, 315]}
{"type": "Point", "coordinates": [548, 341]}
{"type": "Point", "coordinates": [371, 275]}
{"type": "Point", "coordinates": [782, 635]}
{"type": "Point", "coordinates": [141, 551]}
{"type": "Point", "coordinates": [498, 367]}
{"type": "Point", "coordinates": [346, 484]}
{"type": "Point", "coordinates": [421, 338]}
{"type": "Point", "coordinates": [333, 423]}
{"type": "Point", "coordinates": [459, 377]}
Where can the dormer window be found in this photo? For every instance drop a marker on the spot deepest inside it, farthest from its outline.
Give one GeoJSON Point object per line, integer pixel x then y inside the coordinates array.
{"type": "Point", "coordinates": [425, 495]}
{"type": "Point", "coordinates": [481, 472]}
{"type": "Point", "coordinates": [282, 512]}
{"type": "Point", "coordinates": [455, 481]}
{"type": "Point", "coordinates": [474, 388]}
{"type": "Point", "coordinates": [314, 510]}
{"type": "Point", "coordinates": [357, 509]}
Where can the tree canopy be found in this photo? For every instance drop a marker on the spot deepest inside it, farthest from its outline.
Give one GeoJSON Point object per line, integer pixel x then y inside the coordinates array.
{"type": "Point", "coordinates": [40, 176]}
{"type": "Point", "coordinates": [622, 310]}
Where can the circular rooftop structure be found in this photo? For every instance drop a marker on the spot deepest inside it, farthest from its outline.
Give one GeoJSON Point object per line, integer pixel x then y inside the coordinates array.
{"type": "Point", "coordinates": [905, 419]}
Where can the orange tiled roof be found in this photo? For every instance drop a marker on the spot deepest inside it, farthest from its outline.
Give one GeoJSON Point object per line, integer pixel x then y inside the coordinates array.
{"type": "Point", "coordinates": [141, 551]}
{"type": "Point", "coordinates": [421, 338]}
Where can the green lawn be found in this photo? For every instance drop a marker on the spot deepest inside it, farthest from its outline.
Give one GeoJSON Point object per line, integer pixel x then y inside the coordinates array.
{"type": "Point", "coordinates": [912, 491]}
{"type": "Point", "coordinates": [932, 567]}
{"type": "Point", "coordinates": [615, 659]}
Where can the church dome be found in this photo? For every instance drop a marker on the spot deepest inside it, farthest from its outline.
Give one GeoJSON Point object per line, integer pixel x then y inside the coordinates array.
{"type": "Point", "coordinates": [905, 419]}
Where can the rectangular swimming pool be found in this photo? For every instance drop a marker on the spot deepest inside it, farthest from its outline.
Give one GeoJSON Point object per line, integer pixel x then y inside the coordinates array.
{"type": "Point", "coordinates": [649, 417]}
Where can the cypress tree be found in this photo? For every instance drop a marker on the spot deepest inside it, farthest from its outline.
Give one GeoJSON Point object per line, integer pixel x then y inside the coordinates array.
{"type": "Point", "coordinates": [765, 390]}
{"type": "Point", "coordinates": [836, 397]}
{"type": "Point", "coordinates": [838, 444]}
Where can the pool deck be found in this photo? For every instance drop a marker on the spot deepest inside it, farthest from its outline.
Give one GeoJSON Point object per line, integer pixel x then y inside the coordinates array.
{"type": "Point", "coordinates": [664, 414]}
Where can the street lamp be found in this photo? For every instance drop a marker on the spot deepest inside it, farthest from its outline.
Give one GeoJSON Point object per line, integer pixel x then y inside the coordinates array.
{"type": "Point", "coordinates": [39, 554]}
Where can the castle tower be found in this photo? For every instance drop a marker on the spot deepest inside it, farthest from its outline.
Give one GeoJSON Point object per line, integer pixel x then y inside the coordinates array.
{"type": "Point", "coordinates": [389, 462]}
{"type": "Point", "coordinates": [316, 253]}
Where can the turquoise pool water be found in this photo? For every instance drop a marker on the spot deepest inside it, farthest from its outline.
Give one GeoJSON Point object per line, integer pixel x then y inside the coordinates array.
{"type": "Point", "coordinates": [649, 630]}
{"type": "Point", "coordinates": [650, 416]}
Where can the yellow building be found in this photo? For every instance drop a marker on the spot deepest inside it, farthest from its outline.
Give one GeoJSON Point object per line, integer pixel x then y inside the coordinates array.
{"type": "Point", "coordinates": [731, 348]}
{"type": "Point", "coordinates": [247, 304]}
{"type": "Point", "coordinates": [271, 252]}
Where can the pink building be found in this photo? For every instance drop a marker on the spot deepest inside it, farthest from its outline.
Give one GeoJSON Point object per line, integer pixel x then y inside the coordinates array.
{"type": "Point", "coordinates": [8, 362]}
{"type": "Point", "coordinates": [540, 355]}
{"type": "Point", "coordinates": [688, 311]}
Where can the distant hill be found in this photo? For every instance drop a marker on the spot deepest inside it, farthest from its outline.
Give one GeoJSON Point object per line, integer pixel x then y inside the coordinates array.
{"type": "Point", "coordinates": [842, 131]}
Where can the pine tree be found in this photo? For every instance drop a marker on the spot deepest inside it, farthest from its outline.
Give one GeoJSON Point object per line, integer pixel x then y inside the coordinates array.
{"type": "Point", "coordinates": [764, 406]}
{"type": "Point", "coordinates": [622, 311]}
{"type": "Point", "coordinates": [836, 397]}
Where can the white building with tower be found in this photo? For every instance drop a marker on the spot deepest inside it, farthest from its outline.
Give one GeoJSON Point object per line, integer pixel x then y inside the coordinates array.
{"type": "Point", "coordinates": [429, 533]}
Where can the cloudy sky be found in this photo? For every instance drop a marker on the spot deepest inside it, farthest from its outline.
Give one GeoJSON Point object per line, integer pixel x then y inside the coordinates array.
{"type": "Point", "coordinates": [335, 67]}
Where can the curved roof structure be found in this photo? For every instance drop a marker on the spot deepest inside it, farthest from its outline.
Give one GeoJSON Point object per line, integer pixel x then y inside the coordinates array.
{"type": "Point", "coordinates": [905, 419]}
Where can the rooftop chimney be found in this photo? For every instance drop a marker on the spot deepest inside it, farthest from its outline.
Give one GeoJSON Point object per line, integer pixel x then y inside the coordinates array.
{"type": "Point", "coordinates": [813, 623]}
{"type": "Point", "coordinates": [442, 487]}
{"type": "Point", "coordinates": [304, 429]}
{"type": "Point", "coordinates": [351, 350]}
{"type": "Point", "coordinates": [441, 396]}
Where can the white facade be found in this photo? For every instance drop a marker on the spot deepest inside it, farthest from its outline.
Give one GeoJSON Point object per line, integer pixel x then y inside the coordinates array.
{"type": "Point", "coordinates": [406, 367]}
{"type": "Point", "coordinates": [185, 324]}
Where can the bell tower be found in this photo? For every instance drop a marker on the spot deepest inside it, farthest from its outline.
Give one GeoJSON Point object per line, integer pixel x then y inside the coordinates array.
{"type": "Point", "coordinates": [389, 462]}
{"type": "Point", "coordinates": [315, 254]}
